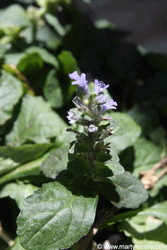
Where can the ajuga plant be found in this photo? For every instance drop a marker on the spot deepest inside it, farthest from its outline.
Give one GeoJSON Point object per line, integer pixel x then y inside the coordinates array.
{"type": "Point", "coordinates": [63, 213]}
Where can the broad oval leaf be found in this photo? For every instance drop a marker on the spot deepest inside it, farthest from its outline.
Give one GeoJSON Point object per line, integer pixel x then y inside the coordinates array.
{"type": "Point", "coordinates": [36, 122]}
{"type": "Point", "coordinates": [56, 213]}
{"type": "Point", "coordinates": [10, 92]}
{"type": "Point", "coordinates": [123, 190]}
{"type": "Point", "coordinates": [125, 133]}
{"type": "Point", "coordinates": [130, 190]}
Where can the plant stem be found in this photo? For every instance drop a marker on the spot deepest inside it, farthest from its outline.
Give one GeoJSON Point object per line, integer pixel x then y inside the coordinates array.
{"type": "Point", "coordinates": [5, 237]}
{"type": "Point", "coordinates": [85, 241]}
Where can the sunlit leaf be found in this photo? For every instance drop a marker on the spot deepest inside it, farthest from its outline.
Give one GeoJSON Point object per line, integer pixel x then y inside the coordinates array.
{"type": "Point", "coordinates": [57, 213]}
{"type": "Point", "coordinates": [36, 122]}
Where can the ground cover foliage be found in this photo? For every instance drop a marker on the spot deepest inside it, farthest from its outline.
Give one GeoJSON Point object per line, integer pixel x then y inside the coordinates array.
{"type": "Point", "coordinates": [49, 198]}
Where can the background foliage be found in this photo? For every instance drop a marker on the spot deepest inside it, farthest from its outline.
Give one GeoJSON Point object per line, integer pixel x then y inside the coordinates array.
{"type": "Point", "coordinates": [41, 42]}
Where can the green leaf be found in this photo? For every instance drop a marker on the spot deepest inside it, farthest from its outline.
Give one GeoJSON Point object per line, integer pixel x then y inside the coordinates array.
{"type": "Point", "coordinates": [125, 133]}
{"type": "Point", "coordinates": [79, 166]}
{"type": "Point", "coordinates": [147, 227]}
{"type": "Point", "coordinates": [28, 169]}
{"type": "Point", "coordinates": [68, 64]}
{"type": "Point", "coordinates": [14, 15]}
{"type": "Point", "coordinates": [123, 190]}
{"type": "Point", "coordinates": [47, 35]}
{"type": "Point", "coordinates": [30, 63]}
{"type": "Point", "coordinates": [10, 92]}
{"type": "Point", "coordinates": [158, 211]}
{"type": "Point", "coordinates": [14, 58]}
{"type": "Point", "coordinates": [55, 163]}
{"type": "Point", "coordinates": [12, 157]}
{"type": "Point", "coordinates": [107, 169]}
{"type": "Point", "coordinates": [45, 55]}
{"type": "Point", "coordinates": [17, 191]}
{"type": "Point", "coordinates": [54, 21]}
{"type": "Point", "coordinates": [53, 91]}
{"type": "Point", "coordinates": [36, 122]}
{"type": "Point", "coordinates": [116, 167]}
{"type": "Point", "coordinates": [130, 190]}
{"type": "Point", "coordinates": [16, 245]}
{"type": "Point", "coordinates": [146, 152]}
{"type": "Point", "coordinates": [145, 231]}
{"type": "Point", "coordinates": [57, 213]}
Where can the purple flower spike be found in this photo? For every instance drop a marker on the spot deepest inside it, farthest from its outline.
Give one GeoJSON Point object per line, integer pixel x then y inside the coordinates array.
{"type": "Point", "coordinates": [108, 105]}
{"type": "Point", "coordinates": [100, 86]}
{"type": "Point", "coordinates": [79, 80]}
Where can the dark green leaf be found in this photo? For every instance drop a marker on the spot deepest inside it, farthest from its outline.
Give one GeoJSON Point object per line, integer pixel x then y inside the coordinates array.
{"type": "Point", "coordinates": [12, 157]}
{"type": "Point", "coordinates": [82, 147]}
{"type": "Point", "coordinates": [125, 133]}
{"type": "Point", "coordinates": [103, 156]}
{"type": "Point", "coordinates": [68, 65]}
{"type": "Point", "coordinates": [17, 191]}
{"type": "Point", "coordinates": [30, 63]}
{"type": "Point", "coordinates": [36, 122]}
{"type": "Point", "coordinates": [45, 55]}
{"type": "Point", "coordinates": [55, 163]}
{"type": "Point", "coordinates": [53, 91]}
{"type": "Point", "coordinates": [58, 214]}
{"type": "Point", "coordinates": [79, 166]}
{"type": "Point", "coordinates": [10, 92]}
{"type": "Point", "coordinates": [107, 169]}
{"type": "Point", "coordinates": [130, 190]}
{"type": "Point", "coordinates": [123, 190]}
{"type": "Point", "coordinates": [68, 62]}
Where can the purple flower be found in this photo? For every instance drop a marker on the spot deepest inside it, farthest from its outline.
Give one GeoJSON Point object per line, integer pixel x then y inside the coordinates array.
{"type": "Point", "coordinates": [101, 98]}
{"type": "Point", "coordinates": [79, 80]}
{"type": "Point", "coordinates": [108, 105]}
{"type": "Point", "coordinates": [72, 117]}
{"type": "Point", "coordinates": [92, 128]}
{"type": "Point", "coordinates": [100, 86]}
